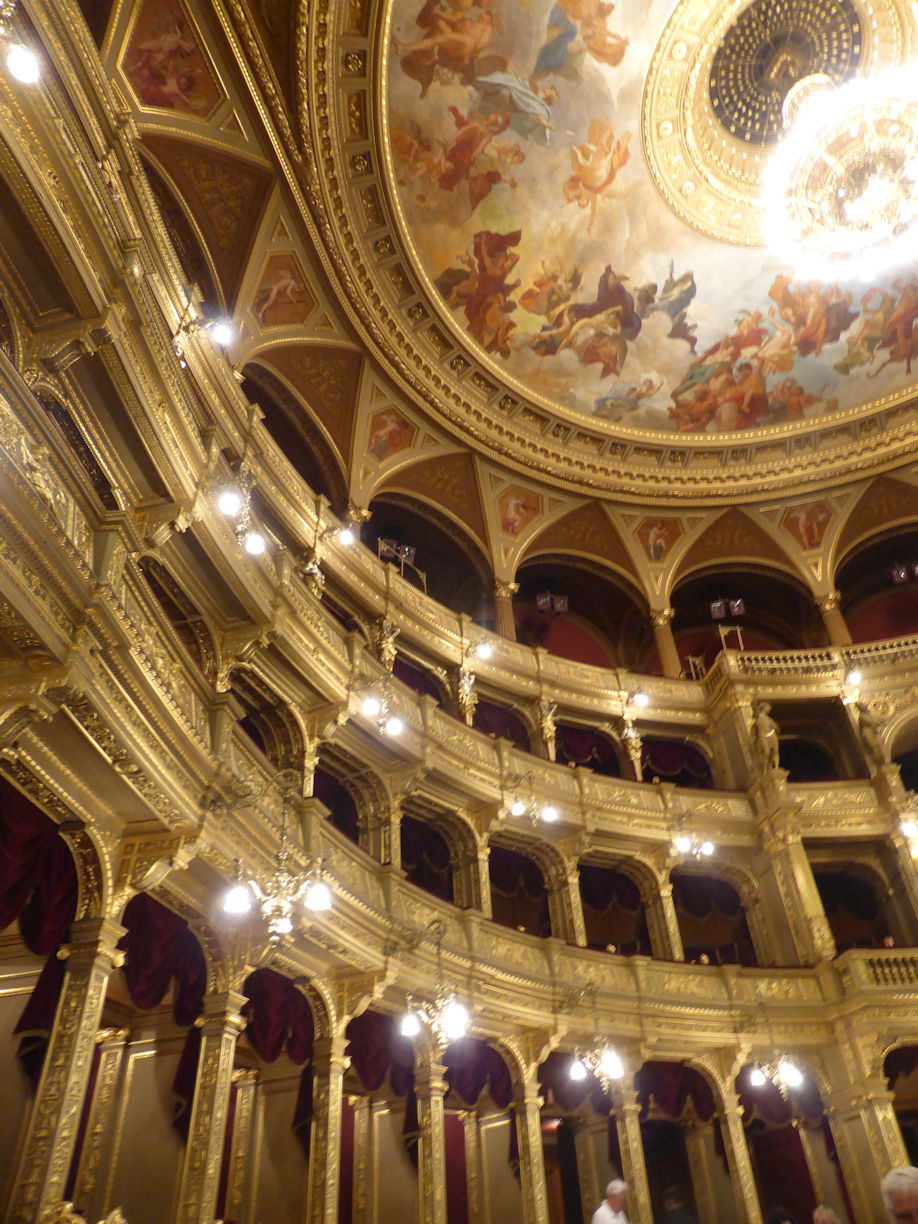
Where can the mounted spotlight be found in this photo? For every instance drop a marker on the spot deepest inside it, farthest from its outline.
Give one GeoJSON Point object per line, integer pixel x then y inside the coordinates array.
{"type": "Point", "coordinates": [546, 601]}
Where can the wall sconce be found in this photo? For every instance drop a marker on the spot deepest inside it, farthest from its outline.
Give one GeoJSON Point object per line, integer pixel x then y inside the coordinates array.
{"type": "Point", "coordinates": [780, 1071]}
{"type": "Point", "coordinates": [546, 601]}
{"type": "Point", "coordinates": [235, 501]}
{"type": "Point", "coordinates": [527, 805]}
{"type": "Point", "coordinates": [379, 708]}
{"type": "Point", "coordinates": [445, 1016]}
{"type": "Point", "coordinates": [691, 843]}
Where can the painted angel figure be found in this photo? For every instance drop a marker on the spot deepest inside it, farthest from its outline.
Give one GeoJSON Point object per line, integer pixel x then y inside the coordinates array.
{"type": "Point", "coordinates": [595, 164]}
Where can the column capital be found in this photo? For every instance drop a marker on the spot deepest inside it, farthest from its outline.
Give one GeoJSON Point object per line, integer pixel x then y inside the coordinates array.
{"type": "Point", "coordinates": [660, 617]}
{"type": "Point", "coordinates": [828, 602]}
{"type": "Point", "coordinates": [505, 590]}
{"type": "Point", "coordinates": [93, 940]}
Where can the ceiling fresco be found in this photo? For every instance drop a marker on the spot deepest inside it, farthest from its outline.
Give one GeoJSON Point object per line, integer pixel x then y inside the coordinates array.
{"type": "Point", "coordinates": [518, 148]}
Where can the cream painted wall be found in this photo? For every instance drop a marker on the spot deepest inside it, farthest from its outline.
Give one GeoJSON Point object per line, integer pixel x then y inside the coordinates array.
{"type": "Point", "coordinates": [280, 1196]}
{"type": "Point", "coordinates": [397, 1186]}
{"type": "Point", "coordinates": [503, 1200]}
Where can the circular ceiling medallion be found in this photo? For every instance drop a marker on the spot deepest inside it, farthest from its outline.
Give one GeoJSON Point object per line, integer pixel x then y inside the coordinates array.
{"type": "Point", "coordinates": [711, 110]}
{"type": "Point", "coordinates": [772, 45]}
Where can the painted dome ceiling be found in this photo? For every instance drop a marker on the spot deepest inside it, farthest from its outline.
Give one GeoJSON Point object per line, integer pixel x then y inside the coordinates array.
{"type": "Point", "coordinates": [578, 183]}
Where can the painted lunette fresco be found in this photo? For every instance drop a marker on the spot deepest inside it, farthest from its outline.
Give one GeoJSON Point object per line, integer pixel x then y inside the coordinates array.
{"type": "Point", "coordinates": [514, 131]}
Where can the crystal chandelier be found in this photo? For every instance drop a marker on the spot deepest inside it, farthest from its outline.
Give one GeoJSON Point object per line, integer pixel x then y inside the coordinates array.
{"type": "Point", "coordinates": [278, 893]}
{"type": "Point", "coordinates": [691, 843]}
{"type": "Point", "coordinates": [603, 1062]}
{"type": "Point", "coordinates": [841, 192]}
{"type": "Point", "coordinates": [780, 1071]}
{"type": "Point", "coordinates": [445, 1017]}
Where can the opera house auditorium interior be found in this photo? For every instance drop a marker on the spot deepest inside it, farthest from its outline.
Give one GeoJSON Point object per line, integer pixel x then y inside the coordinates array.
{"type": "Point", "coordinates": [458, 698]}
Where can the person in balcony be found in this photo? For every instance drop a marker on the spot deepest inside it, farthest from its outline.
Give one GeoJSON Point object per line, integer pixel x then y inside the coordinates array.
{"type": "Point", "coordinates": [612, 1208]}
{"type": "Point", "coordinates": [675, 1209]}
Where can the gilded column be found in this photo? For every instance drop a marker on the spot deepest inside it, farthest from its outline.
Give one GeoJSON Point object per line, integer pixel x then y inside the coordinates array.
{"type": "Point", "coordinates": [503, 608]}
{"type": "Point", "coordinates": [382, 837]}
{"type": "Point", "coordinates": [86, 1191]}
{"type": "Point", "coordinates": [527, 1109]}
{"type": "Point", "coordinates": [739, 1163]}
{"type": "Point", "coordinates": [220, 1026]}
{"type": "Point", "coordinates": [430, 1087]}
{"type": "Point", "coordinates": [474, 1170]}
{"type": "Point", "coordinates": [868, 1141]}
{"type": "Point", "coordinates": [908, 881]}
{"type": "Point", "coordinates": [626, 1110]}
{"type": "Point", "coordinates": [820, 1190]}
{"type": "Point", "coordinates": [363, 1157]}
{"type": "Point", "coordinates": [328, 1065]}
{"type": "Point", "coordinates": [471, 881]}
{"type": "Point", "coordinates": [666, 643]}
{"type": "Point", "coordinates": [565, 905]}
{"type": "Point", "coordinates": [836, 626]}
{"type": "Point", "coordinates": [48, 1149]}
{"type": "Point", "coordinates": [699, 1148]}
{"type": "Point", "coordinates": [246, 1082]}
{"type": "Point", "coordinates": [802, 903]}
{"type": "Point", "coordinates": [662, 923]}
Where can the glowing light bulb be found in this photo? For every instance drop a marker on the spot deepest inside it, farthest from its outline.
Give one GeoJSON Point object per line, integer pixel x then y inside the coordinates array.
{"type": "Point", "coordinates": [549, 813]}
{"type": "Point", "coordinates": [238, 900]}
{"type": "Point", "coordinates": [578, 1071]}
{"type": "Point", "coordinates": [640, 699]}
{"type": "Point", "coordinates": [410, 1025]}
{"type": "Point", "coordinates": [908, 828]}
{"type": "Point", "coordinates": [707, 848]}
{"type": "Point", "coordinates": [757, 1077]}
{"type": "Point", "coordinates": [23, 64]}
{"type": "Point", "coordinates": [254, 543]}
{"type": "Point", "coordinates": [484, 650]}
{"type": "Point", "coordinates": [346, 536]}
{"type": "Point", "coordinates": [371, 706]}
{"type": "Point", "coordinates": [610, 1064]}
{"type": "Point", "coordinates": [222, 332]}
{"type": "Point", "coordinates": [518, 808]}
{"type": "Point", "coordinates": [790, 1075]}
{"type": "Point", "coordinates": [455, 1020]}
{"type": "Point", "coordinates": [394, 726]}
{"type": "Point", "coordinates": [318, 897]}
{"type": "Point", "coordinates": [229, 502]}
{"type": "Point", "coordinates": [682, 843]}
{"type": "Point", "coordinates": [853, 678]}
{"type": "Point", "coordinates": [281, 925]}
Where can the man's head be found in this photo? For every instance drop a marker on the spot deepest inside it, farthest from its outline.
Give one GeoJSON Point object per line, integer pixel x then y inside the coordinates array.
{"type": "Point", "coordinates": [900, 1195]}
{"type": "Point", "coordinates": [616, 1192]}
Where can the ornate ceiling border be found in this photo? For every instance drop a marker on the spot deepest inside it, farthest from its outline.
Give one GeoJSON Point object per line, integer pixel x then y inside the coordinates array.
{"type": "Point", "coordinates": [342, 164]}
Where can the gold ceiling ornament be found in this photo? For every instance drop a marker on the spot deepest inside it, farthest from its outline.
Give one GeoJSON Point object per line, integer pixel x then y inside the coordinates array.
{"type": "Point", "coordinates": [714, 95]}
{"type": "Point", "coordinates": [841, 192]}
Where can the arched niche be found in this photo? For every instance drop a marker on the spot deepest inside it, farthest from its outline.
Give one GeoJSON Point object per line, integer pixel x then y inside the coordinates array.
{"type": "Point", "coordinates": [613, 910]}
{"type": "Point", "coordinates": [63, 420]}
{"type": "Point", "coordinates": [816, 741]}
{"type": "Point", "coordinates": [677, 761]}
{"type": "Point", "coordinates": [855, 900]}
{"type": "Point", "coordinates": [779, 612]}
{"type": "Point", "coordinates": [342, 808]}
{"type": "Point", "coordinates": [267, 719]}
{"type": "Point", "coordinates": [456, 571]}
{"type": "Point", "coordinates": [420, 679]}
{"type": "Point", "coordinates": [297, 434]}
{"type": "Point", "coordinates": [425, 857]}
{"type": "Point", "coordinates": [182, 614]}
{"type": "Point", "coordinates": [677, 1101]}
{"type": "Point", "coordinates": [605, 622]}
{"type": "Point", "coordinates": [578, 744]}
{"type": "Point", "coordinates": [877, 583]}
{"type": "Point", "coordinates": [499, 721]}
{"type": "Point", "coordinates": [778, 1125]}
{"type": "Point", "coordinates": [519, 899]}
{"type": "Point", "coordinates": [712, 919]}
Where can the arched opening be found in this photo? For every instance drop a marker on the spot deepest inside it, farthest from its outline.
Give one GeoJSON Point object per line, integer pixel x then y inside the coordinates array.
{"type": "Point", "coordinates": [579, 610]}
{"type": "Point", "coordinates": [454, 568]}
{"type": "Point", "coordinates": [425, 857]}
{"type": "Point", "coordinates": [817, 742]}
{"type": "Point", "coordinates": [771, 610]}
{"type": "Point", "coordinates": [676, 1104]}
{"type": "Point", "coordinates": [518, 896]}
{"type": "Point", "coordinates": [787, 1136]}
{"type": "Point", "coordinates": [712, 920]}
{"type": "Point", "coordinates": [878, 586]}
{"type": "Point", "coordinates": [675, 761]}
{"type": "Point", "coordinates": [182, 614]}
{"type": "Point", "coordinates": [297, 435]}
{"type": "Point", "coordinates": [904, 753]}
{"type": "Point", "coordinates": [613, 912]}
{"type": "Point", "coordinates": [268, 722]}
{"type": "Point", "coordinates": [339, 801]}
{"type": "Point", "coordinates": [855, 906]}
{"type": "Point", "coordinates": [580, 745]}
{"type": "Point", "coordinates": [417, 678]}
{"type": "Point", "coordinates": [500, 722]}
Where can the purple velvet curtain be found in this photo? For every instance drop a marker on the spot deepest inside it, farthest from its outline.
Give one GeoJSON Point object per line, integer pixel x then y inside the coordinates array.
{"type": "Point", "coordinates": [416, 679]}
{"type": "Point", "coordinates": [586, 746]}
{"type": "Point", "coordinates": [378, 1052]}
{"type": "Point", "coordinates": [39, 886]}
{"type": "Point", "coordinates": [677, 762]}
{"type": "Point", "coordinates": [711, 919]}
{"type": "Point", "coordinates": [161, 952]}
{"type": "Point", "coordinates": [613, 910]}
{"type": "Point", "coordinates": [472, 1066]}
{"type": "Point", "coordinates": [556, 1085]}
{"type": "Point", "coordinates": [665, 1088]}
{"type": "Point", "coordinates": [518, 896]}
{"type": "Point", "coordinates": [498, 722]}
